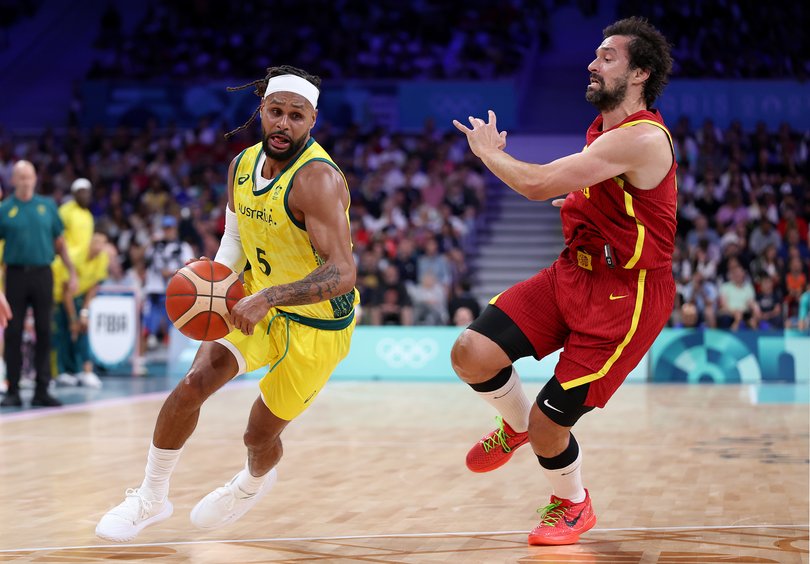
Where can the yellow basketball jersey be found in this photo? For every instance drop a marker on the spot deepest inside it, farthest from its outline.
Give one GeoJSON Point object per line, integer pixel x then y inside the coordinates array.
{"type": "Point", "coordinates": [89, 272]}
{"type": "Point", "coordinates": [79, 226]}
{"type": "Point", "coordinates": [277, 246]}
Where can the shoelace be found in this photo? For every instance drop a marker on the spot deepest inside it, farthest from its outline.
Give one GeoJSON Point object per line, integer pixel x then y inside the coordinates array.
{"type": "Point", "coordinates": [232, 492]}
{"type": "Point", "coordinates": [498, 438]}
{"type": "Point", "coordinates": [551, 514]}
{"type": "Point", "coordinates": [145, 505]}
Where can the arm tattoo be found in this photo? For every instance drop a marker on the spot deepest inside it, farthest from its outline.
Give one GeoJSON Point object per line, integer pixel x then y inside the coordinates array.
{"type": "Point", "coordinates": [321, 284]}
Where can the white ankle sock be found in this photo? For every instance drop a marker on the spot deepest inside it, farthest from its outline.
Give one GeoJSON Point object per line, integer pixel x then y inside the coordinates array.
{"type": "Point", "coordinates": [567, 482]}
{"type": "Point", "coordinates": [159, 467]}
{"type": "Point", "coordinates": [249, 483]}
{"type": "Point", "coordinates": [511, 402]}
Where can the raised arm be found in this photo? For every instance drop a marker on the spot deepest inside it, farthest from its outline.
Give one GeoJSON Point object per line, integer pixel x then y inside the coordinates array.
{"type": "Point", "coordinates": [641, 154]}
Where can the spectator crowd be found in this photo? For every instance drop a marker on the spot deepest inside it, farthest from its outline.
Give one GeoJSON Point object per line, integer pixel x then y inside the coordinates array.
{"type": "Point", "coordinates": [452, 39]}
{"type": "Point", "coordinates": [742, 258]}
{"type": "Point", "coordinates": [347, 39]}
{"type": "Point", "coordinates": [731, 38]}
{"type": "Point", "coordinates": [159, 195]}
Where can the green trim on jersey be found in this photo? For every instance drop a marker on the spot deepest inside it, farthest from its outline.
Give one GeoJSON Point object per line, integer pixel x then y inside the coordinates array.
{"type": "Point", "coordinates": [236, 165]}
{"type": "Point", "coordinates": [297, 223]}
{"type": "Point", "coordinates": [278, 248]}
{"type": "Point", "coordinates": [325, 324]}
{"type": "Point", "coordinates": [257, 174]}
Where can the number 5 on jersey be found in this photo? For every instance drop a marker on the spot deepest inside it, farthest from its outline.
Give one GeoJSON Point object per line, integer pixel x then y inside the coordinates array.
{"type": "Point", "coordinates": [265, 266]}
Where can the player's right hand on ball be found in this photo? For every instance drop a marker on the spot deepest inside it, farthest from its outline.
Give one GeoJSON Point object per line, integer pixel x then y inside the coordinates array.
{"type": "Point", "coordinates": [248, 312]}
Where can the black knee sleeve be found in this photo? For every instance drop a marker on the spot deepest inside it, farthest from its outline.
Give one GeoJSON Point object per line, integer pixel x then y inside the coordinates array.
{"type": "Point", "coordinates": [565, 458]}
{"type": "Point", "coordinates": [495, 383]}
{"type": "Point", "coordinates": [499, 327]}
{"type": "Point", "coordinates": [564, 407]}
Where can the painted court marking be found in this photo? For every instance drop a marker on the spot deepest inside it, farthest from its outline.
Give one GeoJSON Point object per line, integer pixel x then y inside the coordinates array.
{"type": "Point", "coordinates": [39, 413]}
{"type": "Point", "coordinates": [391, 535]}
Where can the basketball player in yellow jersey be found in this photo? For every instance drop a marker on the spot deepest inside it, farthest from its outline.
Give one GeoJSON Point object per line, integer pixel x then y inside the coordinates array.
{"type": "Point", "coordinates": [77, 217]}
{"type": "Point", "coordinates": [287, 218]}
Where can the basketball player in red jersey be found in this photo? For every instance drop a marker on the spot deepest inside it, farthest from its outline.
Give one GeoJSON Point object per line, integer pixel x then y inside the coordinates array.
{"type": "Point", "coordinates": [608, 295]}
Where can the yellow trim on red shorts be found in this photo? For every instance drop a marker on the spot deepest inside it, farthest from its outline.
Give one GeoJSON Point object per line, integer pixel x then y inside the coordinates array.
{"type": "Point", "coordinates": [642, 274]}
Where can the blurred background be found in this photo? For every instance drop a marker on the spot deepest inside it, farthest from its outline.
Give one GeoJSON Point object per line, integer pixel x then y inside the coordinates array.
{"type": "Point", "coordinates": [132, 96]}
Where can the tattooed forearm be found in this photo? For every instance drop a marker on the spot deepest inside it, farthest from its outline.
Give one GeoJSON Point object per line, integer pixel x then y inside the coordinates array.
{"type": "Point", "coordinates": [321, 284]}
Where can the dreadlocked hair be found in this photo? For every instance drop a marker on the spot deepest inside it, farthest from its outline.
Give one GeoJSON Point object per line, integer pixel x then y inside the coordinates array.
{"type": "Point", "coordinates": [260, 85]}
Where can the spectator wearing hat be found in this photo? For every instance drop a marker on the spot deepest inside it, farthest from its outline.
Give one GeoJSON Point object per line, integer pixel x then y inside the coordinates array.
{"type": "Point", "coordinates": [79, 225]}
{"type": "Point", "coordinates": [164, 256]}
{"type": "Point", "coordinates": [77, 218]}
{"type": "Point", "coordinates": [72, 315]}
{"type": "Point", "coordinates": [33, 231]}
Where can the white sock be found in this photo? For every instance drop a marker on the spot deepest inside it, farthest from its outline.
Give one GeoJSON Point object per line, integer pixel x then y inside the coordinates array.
{"type": "Point", "coordinates": [567, 482]}
{"type": "Point", "coordinates": [249, 483]}
{"type": "Point", "coordinates": [511, 402]}
{"type": "Point", "coordinates": [159, 467]}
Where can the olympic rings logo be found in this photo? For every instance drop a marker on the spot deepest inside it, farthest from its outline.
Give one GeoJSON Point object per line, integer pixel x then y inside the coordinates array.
{"type": "Point", "coordinates": [407, 353]}
{"type": "Point", "coordinates": [455, 104]}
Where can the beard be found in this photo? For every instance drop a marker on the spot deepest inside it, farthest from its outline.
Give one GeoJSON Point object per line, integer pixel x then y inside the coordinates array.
{"type": "Point", "coordinates": [286, 154]}
{"type": "Point", "coordinates": [606, 99]}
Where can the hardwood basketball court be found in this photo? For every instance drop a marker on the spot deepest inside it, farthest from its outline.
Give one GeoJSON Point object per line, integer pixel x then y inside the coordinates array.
{"type": "Point", "coordinates": [374, 472]}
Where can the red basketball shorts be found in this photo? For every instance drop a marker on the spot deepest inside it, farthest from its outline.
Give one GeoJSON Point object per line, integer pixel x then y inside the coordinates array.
{"type": "Point", "coordinates": [604, 319]}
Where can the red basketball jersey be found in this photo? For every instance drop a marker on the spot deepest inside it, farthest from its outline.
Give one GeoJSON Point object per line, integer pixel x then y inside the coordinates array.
{"type": "Point", "coordinates": [638, 224]}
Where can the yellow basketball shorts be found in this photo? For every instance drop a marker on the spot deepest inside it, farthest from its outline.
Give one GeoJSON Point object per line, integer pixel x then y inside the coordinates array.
{"type": "Point", "coordinates": [300, 359]}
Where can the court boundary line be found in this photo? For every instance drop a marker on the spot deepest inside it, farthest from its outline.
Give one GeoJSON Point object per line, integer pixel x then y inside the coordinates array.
{"type": "Point", "coordinates": [389, 535]}
{"type": "Point", "coordinates": [39, 413]}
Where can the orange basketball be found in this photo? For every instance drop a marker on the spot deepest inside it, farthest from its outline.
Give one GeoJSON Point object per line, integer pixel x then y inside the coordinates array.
{"type": "Point", "coordinates": [199, 297]}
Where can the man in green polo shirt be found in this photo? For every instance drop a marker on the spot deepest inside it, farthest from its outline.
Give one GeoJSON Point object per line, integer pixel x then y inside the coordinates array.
{"type": "Point", "coordinates": [32, 230]}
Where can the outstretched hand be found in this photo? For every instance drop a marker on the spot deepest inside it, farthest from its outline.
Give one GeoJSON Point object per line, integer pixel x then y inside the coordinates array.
{"type": "Point", "coordinates": [483, 137]}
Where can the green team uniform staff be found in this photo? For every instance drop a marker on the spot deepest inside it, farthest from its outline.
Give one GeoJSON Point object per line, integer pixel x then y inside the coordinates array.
{"type": "Point", "coordinates": [32, 230]}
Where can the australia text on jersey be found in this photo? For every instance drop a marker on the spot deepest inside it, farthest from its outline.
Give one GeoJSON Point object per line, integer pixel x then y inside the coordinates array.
{"type": "Point", "coordinates": [260, 214]}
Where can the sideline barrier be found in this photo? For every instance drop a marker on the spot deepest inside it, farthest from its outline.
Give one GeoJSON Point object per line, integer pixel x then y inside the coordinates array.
{"type": "Point", "coordinates": [113, 327]}
{"type": "Point", "coordinates": [715, 356]}
{"type": "Point", "coordinates": [393, 353]}
{"type": "Point", "coordinates": [391, 103]}
{"type": "Point", "coordinates": [367, 103]}
{"type": "Point", "coordinates": [678, 355]}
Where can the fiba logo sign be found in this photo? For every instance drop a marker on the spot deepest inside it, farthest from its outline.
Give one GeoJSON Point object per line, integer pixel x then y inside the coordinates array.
{"type": "Point", "coordinates": [407, 352]}
{"type": "Point", "coordinates": [113, 328]}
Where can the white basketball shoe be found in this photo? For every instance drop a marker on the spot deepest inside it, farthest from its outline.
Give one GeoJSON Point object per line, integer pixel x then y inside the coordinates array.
{"type": "Point", "coordinates": [90, 380]}
{"type": "Point", "coordinates": [124, 521]}
{"type": "Point", "coordinates": [228, 503]}
{"type": "Point", "coordinates": [67, 379]}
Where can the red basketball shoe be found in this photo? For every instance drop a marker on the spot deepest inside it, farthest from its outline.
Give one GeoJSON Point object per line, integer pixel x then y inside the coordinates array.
{"type": "Point", "coordinates": [496, 448]}
{"type": "Point", "coordinates": [563, 521]}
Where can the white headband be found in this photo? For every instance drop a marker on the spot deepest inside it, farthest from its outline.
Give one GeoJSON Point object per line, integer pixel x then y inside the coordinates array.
{"type": "Point", "coordinates": [294, 84]}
